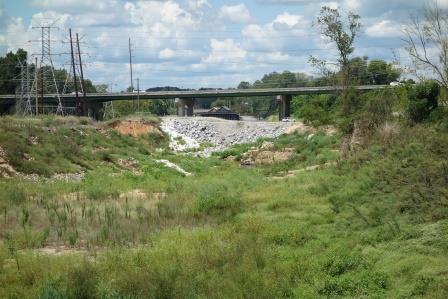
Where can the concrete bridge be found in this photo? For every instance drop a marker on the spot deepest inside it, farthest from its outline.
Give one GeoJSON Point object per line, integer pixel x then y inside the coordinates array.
{"type": "Point", "coordinates": [185, 99]}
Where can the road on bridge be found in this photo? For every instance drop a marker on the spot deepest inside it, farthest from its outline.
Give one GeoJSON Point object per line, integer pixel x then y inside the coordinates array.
{"type": "Point", "coordinates": [186, 98]}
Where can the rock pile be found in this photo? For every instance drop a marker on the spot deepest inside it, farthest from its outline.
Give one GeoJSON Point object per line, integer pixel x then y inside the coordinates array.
{"type": "Point", "coordinates": [216, 134]}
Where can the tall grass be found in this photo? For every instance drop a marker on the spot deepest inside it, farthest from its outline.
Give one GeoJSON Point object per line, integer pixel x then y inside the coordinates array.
{"type": "Point", "coordinates": [358, 229]}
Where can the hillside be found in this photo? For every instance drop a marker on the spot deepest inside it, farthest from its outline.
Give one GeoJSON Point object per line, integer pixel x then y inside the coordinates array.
{"type": "Point", "coordinates": [321, 221]}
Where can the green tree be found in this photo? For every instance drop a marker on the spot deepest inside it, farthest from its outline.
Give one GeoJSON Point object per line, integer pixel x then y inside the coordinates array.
{"type": "Point", "coordinates": [382, 72]}
{"type": "Point", "coordinates": [244, 85]}
{"type": "Point", "coordinates": [359, 71]}
{"type": "Point", "coordinates": [90, 88]}
{"type": "Point", "coordinates": [101, 88]}
{"type": "Point", "coordinates": [423, 99]}
{"type": "Point", "coordinates": [343, 35]}
{"type": "Point", "coordinates": [10, 71]}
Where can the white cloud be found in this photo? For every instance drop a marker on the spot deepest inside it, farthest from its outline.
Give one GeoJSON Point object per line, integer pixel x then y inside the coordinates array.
{"type": "Point", "coordinates": [287, 21]}
{"type": "Point", "coordinates": [197, 4]}
{"type": "Point", "coordinates": [192, 42]}
{"type": "Point", "coordinates": [236, 13]}
{"type": "Point", "coordinates": [225, 51]}
{"type": "Point", "coordinates": [385, 28]}
{"type": "Point", "coordinates": [167, 54]}
{"type": "Point", "coordinates": [331, 4]}
{"type": "Point", "coordinates": [76, 5]}
{"type": "Point", "coordinates": [286, 31]}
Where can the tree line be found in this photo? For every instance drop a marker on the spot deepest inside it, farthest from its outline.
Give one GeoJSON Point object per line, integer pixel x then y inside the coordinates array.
{"type": "Point", "coordinates": [13, 68]}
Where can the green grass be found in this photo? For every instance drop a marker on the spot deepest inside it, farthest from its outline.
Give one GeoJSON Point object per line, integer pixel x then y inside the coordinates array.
{"type": "Point", "coordinates": [49, 145]}
{"type": "Point", "coordinates": [359, 229]}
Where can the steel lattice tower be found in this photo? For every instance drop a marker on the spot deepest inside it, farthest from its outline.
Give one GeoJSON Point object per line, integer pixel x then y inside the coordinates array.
{"type": "Point", "coordinates": [46, 67]}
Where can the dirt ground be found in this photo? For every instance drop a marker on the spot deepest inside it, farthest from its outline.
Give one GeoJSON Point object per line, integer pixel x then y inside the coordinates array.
{"type": "Point", "coordinates": [135, 127]}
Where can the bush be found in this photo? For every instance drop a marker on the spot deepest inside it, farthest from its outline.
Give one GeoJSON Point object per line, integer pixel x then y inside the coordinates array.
{"type": "Point", "coordinates": [378, 106]}
{"type": "Point", "coordinates": [422, 100]}
{"type": "Point", "coordinates": [315, 110]}
{"type": "Point", "coordinates": [216, 197]}
{"type": "Point", "coordinates": [82, 280]}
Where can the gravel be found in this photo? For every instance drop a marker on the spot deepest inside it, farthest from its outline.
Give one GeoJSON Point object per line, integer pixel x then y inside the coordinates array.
{"type": "Point", "coordinates": [203, 135]}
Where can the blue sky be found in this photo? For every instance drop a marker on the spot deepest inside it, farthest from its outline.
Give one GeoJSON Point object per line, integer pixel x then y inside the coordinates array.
{"type": "Point", "coordinates": [199, 43]}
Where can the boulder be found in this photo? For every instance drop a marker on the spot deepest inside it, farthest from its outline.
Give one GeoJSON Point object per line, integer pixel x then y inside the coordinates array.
{"type": "Point", "coordinates": [267, 145]}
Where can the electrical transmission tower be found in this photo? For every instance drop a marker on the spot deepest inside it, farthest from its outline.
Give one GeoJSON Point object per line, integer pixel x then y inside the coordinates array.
{"type": "Point", "coordinates": [47, 77]}
{"type": "Point", "coordinates": [28, 89]}
{"type": "Point", "coordinates": [21, 99]}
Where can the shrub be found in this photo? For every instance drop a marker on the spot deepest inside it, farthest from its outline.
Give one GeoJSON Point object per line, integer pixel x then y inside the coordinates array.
{"type": "Point", "coordinates": [378, 106]}
{"type": "Point", "coordinates": [341, 261]}
{"type": "Point", "coordinates": [315, 110]}
{"type": "Point", "coordinates": [14, 194]}
{"type": "Point", "coordinates": [217, 197]}
{"type": "Point", "coordinates": [423, 99]}
{"type": "Point", "coordinates": [82, 281]}
{"type": "Point", "coordinates": [52, 289]}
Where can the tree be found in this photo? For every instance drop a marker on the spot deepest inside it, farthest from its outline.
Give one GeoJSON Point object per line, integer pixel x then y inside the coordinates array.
{"type": "Point", "coordinates": [359, 71]}
{"type": "Point", "coordinates": [101, 88]}
{"type": "Point", "coordinates": [382, 72]}
{"type": "Point", "coordinates": [10, 71]}
{"type": "Point", "coordinates": [423, 99]}
{"type": "Point", "coordinates": [90, 88]}
{"type": "Point", "coordinates": [429, 35]}
{"type": "Point", "coordinates": [244, 85]}
{"type": "Point", "coordinates": [343, 35]}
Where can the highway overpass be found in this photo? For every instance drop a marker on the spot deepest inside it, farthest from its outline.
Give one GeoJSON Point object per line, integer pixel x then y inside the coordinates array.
{"type": "Point", "coordinates": [186, 98]}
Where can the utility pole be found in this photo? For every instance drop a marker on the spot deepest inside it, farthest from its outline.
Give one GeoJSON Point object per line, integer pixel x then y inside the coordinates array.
{"type": "Point", "coordinates": [138, 94]}
{"type": "Point", "coordinates": [80, 66]}
{"type": "Point", "coordinates": [130, 65]}
{"type": "Point", "coordinates": [78, 105]}
{"type": "Point", "coordinates": [132, 80]}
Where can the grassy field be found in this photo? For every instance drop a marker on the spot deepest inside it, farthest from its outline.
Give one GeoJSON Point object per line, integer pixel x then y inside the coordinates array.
{"type": "Point", "coordinates": [371, 225]}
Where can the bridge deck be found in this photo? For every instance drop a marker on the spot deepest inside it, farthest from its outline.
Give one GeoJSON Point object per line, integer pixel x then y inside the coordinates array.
{"type": "Point", "coordinates": [106, 97]}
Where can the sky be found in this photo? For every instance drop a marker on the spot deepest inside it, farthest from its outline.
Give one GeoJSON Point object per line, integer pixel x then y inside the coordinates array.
{"type": "Point", "coordinates": [199, 43]}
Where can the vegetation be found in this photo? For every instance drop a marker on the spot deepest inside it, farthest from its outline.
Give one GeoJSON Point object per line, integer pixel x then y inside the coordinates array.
{"type": "Point", "coordinates": [13, 64]}
{"type": "Point", "coordinates": [358, 212]}
{"type": "Point", "coordinates": [343, 35]}
{"type": "Point", "coordinates": [431, 33]}
{"type": "Point", "coordinates": [371, 223]}
{"type": "Point", "coordinates": [9, 70]}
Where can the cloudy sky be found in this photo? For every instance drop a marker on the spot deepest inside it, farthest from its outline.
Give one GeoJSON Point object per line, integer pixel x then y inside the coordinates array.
{"type": "Point", "coordinates": [198, 43]}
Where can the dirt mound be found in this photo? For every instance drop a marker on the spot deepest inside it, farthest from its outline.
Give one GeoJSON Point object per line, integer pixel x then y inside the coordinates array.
{"type": "Point", "coordinates": [6, 170]}
{"type": "Point", "coordinates": [260, 156]}
{"type": "Point", "coordinates": [135, 127]}
{"type": "Point", "coordinates": [299, 128]}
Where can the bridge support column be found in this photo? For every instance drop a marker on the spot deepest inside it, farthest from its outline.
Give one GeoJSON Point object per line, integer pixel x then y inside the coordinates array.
{"type": "Point", "coordinates": [7, 109]}
{"type": "Point", "coordinates": [184, 107]}
{"type": "Point", "coordinates": [284, 106]}
{"type": "Point", "coordinates": [92, 109]}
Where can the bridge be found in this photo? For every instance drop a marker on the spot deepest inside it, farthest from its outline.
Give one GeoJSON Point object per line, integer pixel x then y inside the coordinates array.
{"type": "Point", "coordinates": [185, 99]}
